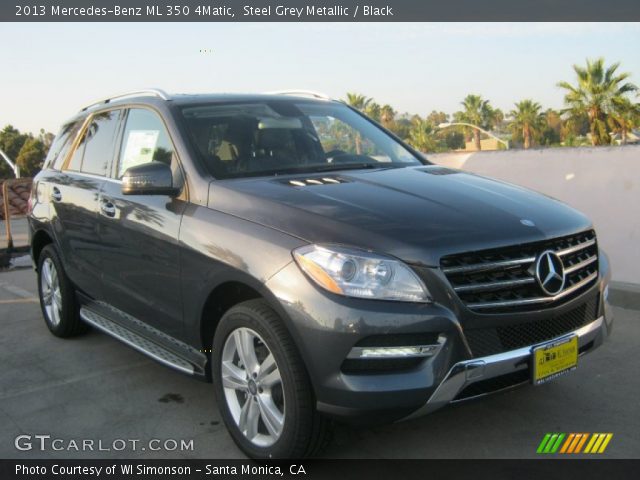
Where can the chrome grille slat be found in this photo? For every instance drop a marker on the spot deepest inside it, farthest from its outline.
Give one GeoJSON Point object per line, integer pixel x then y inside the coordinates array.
{"type": "Point", "coordinates": [494, 285]}
{"type": "Point", "coordinates": [529, 301]}
{"type": "Point", "coordinates": [580, 265]}
{"type": "Point", "coordinates": [503, 279]}
{"type": "Point", "coordinates": [576, 248]}
{"type": "Point", "coordinates": [479, 267]}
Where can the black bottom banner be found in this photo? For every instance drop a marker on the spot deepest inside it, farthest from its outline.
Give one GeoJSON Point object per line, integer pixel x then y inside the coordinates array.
{"type": "Point", "coordinates": [311, 469]}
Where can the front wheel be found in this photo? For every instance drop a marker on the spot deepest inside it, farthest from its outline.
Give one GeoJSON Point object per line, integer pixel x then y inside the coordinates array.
{"type": "Point", "coordinates": [262, 388]}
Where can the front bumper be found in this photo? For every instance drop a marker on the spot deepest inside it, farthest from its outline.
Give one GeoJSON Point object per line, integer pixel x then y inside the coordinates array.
{"type": "Point", "coordinates": [469, 372]}
{"type": "Point", "coordinates": [326, 327]}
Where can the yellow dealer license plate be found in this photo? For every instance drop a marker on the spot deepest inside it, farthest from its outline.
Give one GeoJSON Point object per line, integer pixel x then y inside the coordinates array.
{"type": "Point", "coordinates": [554, 359]}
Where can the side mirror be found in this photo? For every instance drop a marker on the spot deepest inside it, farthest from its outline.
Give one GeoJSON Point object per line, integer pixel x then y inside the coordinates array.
{"type": "Point", "coordinates": [153, 178]}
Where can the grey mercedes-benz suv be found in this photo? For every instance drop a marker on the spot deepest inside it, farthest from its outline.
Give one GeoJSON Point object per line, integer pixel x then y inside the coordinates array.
{"type": "Point", "coordinates": [307, 261]}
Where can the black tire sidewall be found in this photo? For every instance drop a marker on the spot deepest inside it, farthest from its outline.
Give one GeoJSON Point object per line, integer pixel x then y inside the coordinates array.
{"type": "Point", "coordinates": [285, 446]}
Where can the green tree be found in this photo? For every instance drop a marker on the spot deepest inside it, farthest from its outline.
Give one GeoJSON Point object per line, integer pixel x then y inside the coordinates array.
{"type": "Point", "coordinates": [479, 112]}
{"type": "Point", "coordinates": [402, 125]}
{"type": "Point", "coordinates": [438, 117]}
{"type": "Point", "coordinates": [527, 120]}
{"type": "Point", "coordinates": [595, 95]}
{"type": "Point", "coordinates": [11, 141]}
{"type": "Point", "coordinates": [454, 140]}
{"type": "Point", "coordinates": [625, 117]}
{"type": "Point", "coordinates": [387, 116]}
{"type": "Point", "coordinates": [423, 135]}
{"type": "Point", "coordinates": [358, 101]}
{"type": "Point", "coordinates": [373, 111]}
{"type": "Point", "coordinates": [31, 156]}
{"type": "Point", "coordinates": [551, 133]}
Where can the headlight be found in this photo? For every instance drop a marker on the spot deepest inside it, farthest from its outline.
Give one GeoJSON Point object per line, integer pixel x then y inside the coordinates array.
{"type": "Point", "coordinates": [358, 273]}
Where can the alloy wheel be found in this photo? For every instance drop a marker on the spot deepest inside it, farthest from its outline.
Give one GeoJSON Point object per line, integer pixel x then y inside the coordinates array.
{"type": "Point", "coordinates": [51, 293]}
{"type": "Point", "coordinates": [253, 387]}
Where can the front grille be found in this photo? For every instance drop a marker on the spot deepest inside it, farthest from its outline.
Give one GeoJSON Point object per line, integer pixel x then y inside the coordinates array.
{"type": "Point", "coordinates": [504, 279]}
{"type": "Point", "coordinates": [489, 341]}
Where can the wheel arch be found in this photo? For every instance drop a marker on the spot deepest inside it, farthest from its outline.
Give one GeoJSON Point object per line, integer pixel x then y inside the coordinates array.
{"type": "Point", "coordinates": [229, 293]}
{"type": "Point", "coordinates": [40, 239]}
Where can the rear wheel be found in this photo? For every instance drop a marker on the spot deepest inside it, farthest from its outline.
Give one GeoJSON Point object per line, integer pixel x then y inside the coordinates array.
{"type": "Point", "coordinates": [262, 389]}
{"type": "Point", "coordinates": [57, 296]}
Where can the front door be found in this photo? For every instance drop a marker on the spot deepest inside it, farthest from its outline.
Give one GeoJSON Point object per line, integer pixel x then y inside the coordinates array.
{"type": "Point", "coordinates": [139, 233]}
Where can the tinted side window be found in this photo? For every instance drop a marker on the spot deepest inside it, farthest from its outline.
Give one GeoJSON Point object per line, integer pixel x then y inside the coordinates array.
{"type": "Point", "coordinates": [76, 157]}
{"type": "Point", "coordinates": [61, 144]}
{"type": "Point", "coordinates": [100, 142]}
{"type": "Point", "coordinates": [145, 140]}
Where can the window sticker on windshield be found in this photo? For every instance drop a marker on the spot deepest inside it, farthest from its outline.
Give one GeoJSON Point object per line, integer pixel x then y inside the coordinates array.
{"type": "Point", "coordinates": [141, 145]}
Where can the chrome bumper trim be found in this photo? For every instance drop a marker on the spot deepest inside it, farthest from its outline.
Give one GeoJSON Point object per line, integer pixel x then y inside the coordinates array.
{"type": "Point", "coordinates": [465, 373]}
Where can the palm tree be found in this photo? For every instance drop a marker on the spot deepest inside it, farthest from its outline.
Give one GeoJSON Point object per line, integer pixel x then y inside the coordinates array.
{"type": "Point", "coordinates": [625, 117]}
{"type": "Point", "coordinates": [358, 101]}
{"type": "Point", "coordinates": [477, 112]}
{"type": "Point", "coordinates": [528, 120]}
{"type": "Point", "coordinates": [422, 135]}
{"type": "Point", "coordinates": [373, 111]}
{"type": "Point", "coordinates": [387, 115]}
{"type": "Point", "coordinates": [595, 95]}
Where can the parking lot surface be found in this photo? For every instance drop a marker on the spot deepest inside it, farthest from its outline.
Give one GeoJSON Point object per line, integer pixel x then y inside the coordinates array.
{"type": "Point", "coordinates": [95, 388]}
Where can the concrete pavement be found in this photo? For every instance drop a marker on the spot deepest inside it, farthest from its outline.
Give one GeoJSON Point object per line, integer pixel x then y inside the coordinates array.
{"type": "Point", "coordinates": [95, 388]}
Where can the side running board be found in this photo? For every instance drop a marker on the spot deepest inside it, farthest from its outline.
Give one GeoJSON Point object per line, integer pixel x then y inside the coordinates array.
{"type": "Point", "coordinates": [136, 341]}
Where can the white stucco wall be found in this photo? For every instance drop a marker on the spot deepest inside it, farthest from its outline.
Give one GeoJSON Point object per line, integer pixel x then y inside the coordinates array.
{"type": "Point", "coordinates": [602, 182]}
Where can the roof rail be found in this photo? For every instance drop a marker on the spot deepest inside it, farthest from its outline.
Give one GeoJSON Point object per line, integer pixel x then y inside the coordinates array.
{"type": "Point", "coordinates": [302, 93]}
{"type": "Point", "coordinates": [152, 92]}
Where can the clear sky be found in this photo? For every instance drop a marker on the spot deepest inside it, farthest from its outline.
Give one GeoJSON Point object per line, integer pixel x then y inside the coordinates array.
{"type": "Point", "coordinates": [51, 70]}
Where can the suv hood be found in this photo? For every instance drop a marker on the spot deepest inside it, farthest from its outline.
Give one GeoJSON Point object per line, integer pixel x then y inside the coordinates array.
{"type": "Point", "coordinates": [417, 214]}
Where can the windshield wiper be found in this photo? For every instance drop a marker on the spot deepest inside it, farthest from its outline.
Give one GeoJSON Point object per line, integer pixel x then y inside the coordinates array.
{"type": "Point", "coordinates": [348, 166]}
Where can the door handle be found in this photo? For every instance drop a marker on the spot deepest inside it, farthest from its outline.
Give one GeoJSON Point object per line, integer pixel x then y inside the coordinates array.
{"type": "Point", "coordinates": [56, 196]}
{"type": "Point", "coordinates": [108, 208]}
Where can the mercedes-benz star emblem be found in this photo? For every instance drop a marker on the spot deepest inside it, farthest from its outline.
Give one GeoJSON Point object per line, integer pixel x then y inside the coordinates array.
{"type": "Point", "coordinates": [550, 272]}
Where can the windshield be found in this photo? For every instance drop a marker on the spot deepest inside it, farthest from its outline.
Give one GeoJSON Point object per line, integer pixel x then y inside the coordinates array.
{"type": "Point", "coordinates": [280, 137]}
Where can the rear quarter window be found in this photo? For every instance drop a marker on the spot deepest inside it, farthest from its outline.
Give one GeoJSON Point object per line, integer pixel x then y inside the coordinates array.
{"type": "Point", "coordinates": [61, 145]}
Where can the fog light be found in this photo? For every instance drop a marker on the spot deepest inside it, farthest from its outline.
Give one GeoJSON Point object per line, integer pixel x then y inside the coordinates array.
{"type": "Point", "coordinates": [394, 352]}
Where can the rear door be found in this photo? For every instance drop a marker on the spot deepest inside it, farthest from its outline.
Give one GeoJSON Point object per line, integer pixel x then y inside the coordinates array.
{"type": "Point", "coordinates": [139, 233]}
{"type": "Point", "coordinates": [74, 197]}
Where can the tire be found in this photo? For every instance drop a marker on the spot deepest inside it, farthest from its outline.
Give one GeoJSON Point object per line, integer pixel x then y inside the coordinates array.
{"type": "Point", "coordinates": [57, 296]}
{"type": "Point", "coordinates": [294, 429]}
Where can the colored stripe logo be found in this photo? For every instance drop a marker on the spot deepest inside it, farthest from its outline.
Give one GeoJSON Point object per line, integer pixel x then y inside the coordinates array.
{"type": "Point", "coordinates": [573, 443]}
